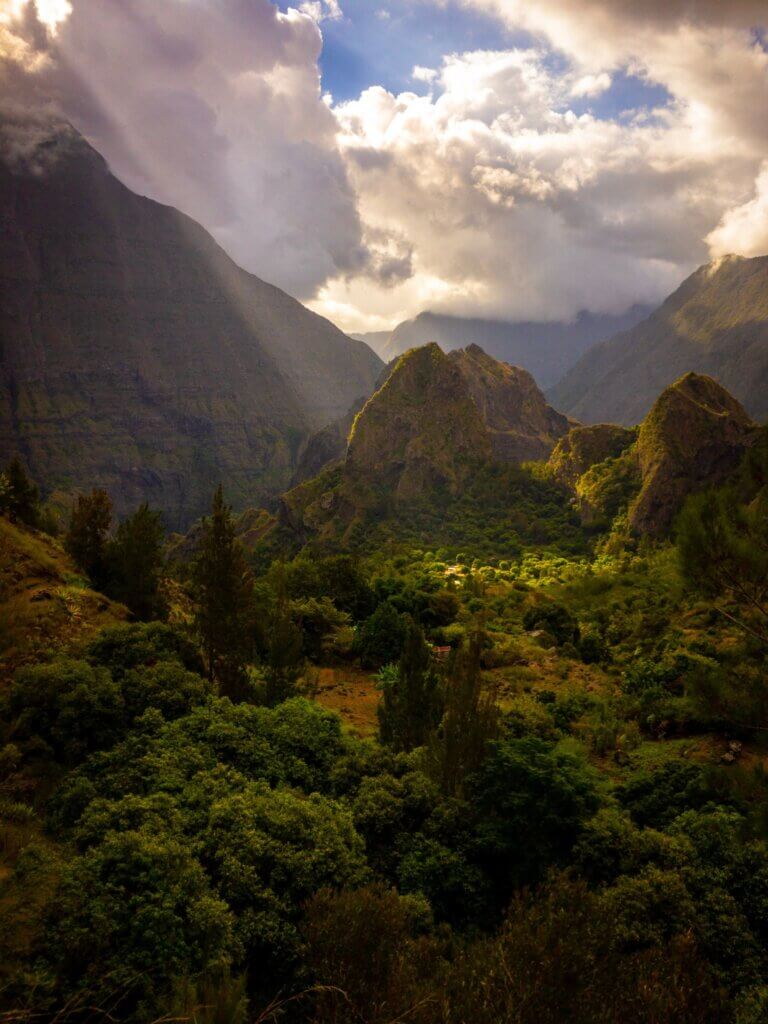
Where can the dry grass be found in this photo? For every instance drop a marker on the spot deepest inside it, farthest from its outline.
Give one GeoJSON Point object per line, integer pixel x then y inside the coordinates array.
{"type": "Point", "coordinates": [352, 694]}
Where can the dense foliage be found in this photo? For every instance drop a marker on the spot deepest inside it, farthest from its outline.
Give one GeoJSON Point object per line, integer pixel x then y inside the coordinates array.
{"type": "Point", "coordinates": [556, 811]}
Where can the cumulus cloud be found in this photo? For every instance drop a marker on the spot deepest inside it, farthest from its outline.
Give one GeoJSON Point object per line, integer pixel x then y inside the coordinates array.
{"type": "Point", "coordinates": [494, 195]}
{"type": "Point", "coordinates": [517, 206]}
{"type": "Point", "coordinates": [213, 108]}
{"type": "Point", "coordinates": [744, 229]}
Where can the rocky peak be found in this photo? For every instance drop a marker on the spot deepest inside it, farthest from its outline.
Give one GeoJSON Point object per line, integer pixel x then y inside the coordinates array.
{"type": "Point", "coordinates": [584, 447]}
{"type": "Point", "coordinates": [420, 431]}
{"type": "Point", "coordinates": [522, 427]}
{"type": "Point", "coordinates": [694, 436]}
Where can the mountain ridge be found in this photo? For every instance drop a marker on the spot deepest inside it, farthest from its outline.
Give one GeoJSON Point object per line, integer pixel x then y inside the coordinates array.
{"type": "Point", "coordinates": [545, 349]}
{"type": "Point", "coordinates": [715, 323]}
{"type": "Point", "coordinates": [135, 355]}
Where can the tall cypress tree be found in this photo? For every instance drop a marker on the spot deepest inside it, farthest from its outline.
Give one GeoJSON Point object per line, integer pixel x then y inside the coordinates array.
{"type": "Point", "coordinates": [470, 722]}
{"type": "Point", "coordinates": [411, 704]}
{"type": "Point", "coordinates": [136, 563]}
{"type": "Point", "coordinates": [20, 497]}
{"type": "Point", "coordinates": [225, 601]}
{"type": "Point", "coordinates": [87, 537]}
{"type": "Point", "coordinates": [284, 661]}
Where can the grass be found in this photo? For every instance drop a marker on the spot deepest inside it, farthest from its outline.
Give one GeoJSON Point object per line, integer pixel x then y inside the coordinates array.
{"type": "Point", "coordinates": [46, 607]}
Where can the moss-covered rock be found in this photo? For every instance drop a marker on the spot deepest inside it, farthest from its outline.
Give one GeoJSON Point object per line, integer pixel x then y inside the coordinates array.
{"type": "Point", "coordinates": [695, 436]}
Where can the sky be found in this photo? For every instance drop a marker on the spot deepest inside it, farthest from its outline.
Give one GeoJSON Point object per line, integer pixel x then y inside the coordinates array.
{"type": "Point", "coordinates": [496, 158]}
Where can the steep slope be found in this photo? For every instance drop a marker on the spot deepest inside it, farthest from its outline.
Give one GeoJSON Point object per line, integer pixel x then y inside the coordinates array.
{"type": "Point", "coordinates": [694, 437]}
{"type": "Point", "coordinates": [521, 425]}
{"type": "Point", "coordinates": [135, 355]}
{"type": "Point", "coordinates": [422, 466]}
{"type": "Point", "coordinates": [420, 431]}
{"type": "Point", "coordinates": [547, 350]}
{"type": "Point", "coordinates": [716, 323]}
{"type": "Point", "coordinates": [44, 605]}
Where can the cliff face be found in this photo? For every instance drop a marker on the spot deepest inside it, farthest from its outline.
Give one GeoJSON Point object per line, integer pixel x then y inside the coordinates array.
{"type": "Point", "coordinates": [522, 427]}
{"type": "Point", "coordinates": [694, 437]}
{"type": "Point", "coordinates": [716, 323]}
{"type": "Point", "coordinates": [584, 447]}
{"type": "Point", "coordinates": [135, 355]}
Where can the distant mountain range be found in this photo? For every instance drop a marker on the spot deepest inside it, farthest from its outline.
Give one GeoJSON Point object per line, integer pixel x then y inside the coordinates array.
{"type": "Point", "coordinates": [135, 355]}
{"type": "Point", "coordinates": [547, 350]}
{"type": "Point", "coordinates": [716, 323]}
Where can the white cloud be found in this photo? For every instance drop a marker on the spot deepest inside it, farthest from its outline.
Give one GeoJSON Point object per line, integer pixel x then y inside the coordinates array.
{"type": "Point", "coordinates": [488, 196]}
{"type": "Point", "coordinates": [427, 75]}
{"type": "Point", "coordinates": [744, 229]}
{"type": "Point", "coordinates": [591, 85]}
{"type": "Point", "coordinates": [515, 206]}
{"type": "Point", "coordinates": [321, 10]}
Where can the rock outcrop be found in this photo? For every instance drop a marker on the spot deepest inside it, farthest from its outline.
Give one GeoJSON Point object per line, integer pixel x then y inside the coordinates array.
{"type": "Point", "coordinates": [584, 447]}
{"type": "Point", "coordinates": [136, 356]}
{"type": "Point", "coordinates": [522, 427]}
{"type": "Point", "coordinates": [421, 431]}
{"type": "Point", "coordinates": [695, 436]}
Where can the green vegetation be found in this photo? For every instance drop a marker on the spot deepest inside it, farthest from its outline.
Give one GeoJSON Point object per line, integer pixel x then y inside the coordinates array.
{"type": "Point", "coordinates": [558, 810]}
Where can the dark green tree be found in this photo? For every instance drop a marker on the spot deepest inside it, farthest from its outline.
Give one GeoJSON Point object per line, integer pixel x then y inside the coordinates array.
{"type": "Point", "coordinates": [86, 539]}
{"type": "Point", "coordinates": [225, 601]}
{"type": "Point", "coordinates": [136, 563]}
{"type": "Point", "coordinates": [285, 645]}
{"type": "Point", "coordinates": [381, 636]}
{"type": "Point", "coordinates": [530, 801]}
{"type": "Point", "coordinates": [470, 721]}
{"type": "Point", "coordinates": [19, 497]}
{"type": "Point", "coordinates": [411, 703]}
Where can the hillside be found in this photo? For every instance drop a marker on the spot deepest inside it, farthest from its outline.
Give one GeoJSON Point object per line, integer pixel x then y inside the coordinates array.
{"type": "Point", "coordinates": [547, 349]}
{"type": "Point", "coordinates": [520, 425]}
{"type": "Point", "coordinates": [135, 355]}
{"type": "Point", "coordinates": [716, 323]}
{"type": "Point", "coordinates": [45, 604]}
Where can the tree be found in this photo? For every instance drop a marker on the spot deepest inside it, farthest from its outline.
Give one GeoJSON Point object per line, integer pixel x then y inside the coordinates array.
{"type": "Point", "coordinates": [19, 498]}
{"type": "Point", "coordinates": [136, 563]}
{"type": "Point", "coordinates": [411, 702]}
{"type": "Point", "coordinates": [531, 801]}
{"type": "Point", "coordinates": [285, 645]}
{"type": "Point", "coordinates": [381, 636]}
{"type": "Point", "coordinates": [86, 538]}
{"type": "Point", "coordinates": [723, 551]}
{"type": "Point", "coordinates": [470, 722]}
{"type": "Point", "coordinates": [225, 601]}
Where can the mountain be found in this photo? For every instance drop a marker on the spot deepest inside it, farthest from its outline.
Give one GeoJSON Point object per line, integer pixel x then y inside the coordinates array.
{"type": "Point", "coordinates": [547, 350]}
{"type": "Point", "coordinates": [695, 436]}
{"type": "Point", "coordinates": [135, 355]}
{"type": "Point", "coordinates": [519, 424]}
{"type": "Point", "coordinates": [522, 427]}
{"type": "Point", "coordinates": [716, 323]}
{"type": "Point", "coordinates": [437, 424]}
{"type": "Point", "coordinates": [422, 430]}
